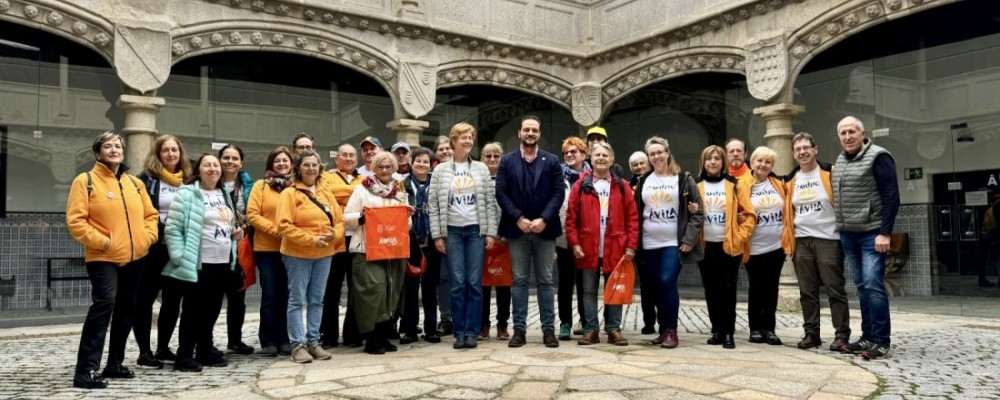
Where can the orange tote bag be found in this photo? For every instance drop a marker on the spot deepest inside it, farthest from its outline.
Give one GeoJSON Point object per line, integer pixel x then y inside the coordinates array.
{"type": "Point", "coordinates": [496, 267]}
{"type": "Point", "coordinates": [621, 284]}
{"type": "Point", "coordinates": [387, 233]}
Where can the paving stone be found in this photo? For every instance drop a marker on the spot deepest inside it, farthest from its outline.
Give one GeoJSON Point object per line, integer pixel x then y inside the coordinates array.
{"type": "Point", "coordinates": [473, 379]}
{"type": "Point", "coordinates": [773, 386]}
{"type": "Point", "coordinates": [275, 383]}
{"type": "Point", "coordinates": [606, 382]}
{"type": "Point", "coordinates": [308, 388]}
{"type": "Point", "coordinates": [390, 390]}
{"type": "Point", "coordinates": [752, 395]}
{"type": "Point", "coordinates": [623, 370]}
{"type": "Point", "coordinates": [661, 394]}
{"type": "Point", "coordinates": [531, 390]}
{"type": "Point", "coordinates": [832, 396]}
{"type": "Point", "coordinates": [468, 366]}
{"type": "Point", "coordinates": [317, 375]}
{"type": "Point", "coordinates": [465, 393]}
{"type": "Point", "coordinates": [543, 373]}
{"type": "Point", "coordinates": [592, 396]}
{"type": "Point", "coordinates": [387, 377]}
{"type": "Point", "coordinates": [853, 388]}
{"type": "Point", "coordinates": [689, 384]}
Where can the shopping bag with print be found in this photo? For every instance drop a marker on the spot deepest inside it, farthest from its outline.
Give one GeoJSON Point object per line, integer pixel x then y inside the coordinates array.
{"type": "Point", "coordinates": [387, 233]}
{"type": "Point", "coordinates": [621, 283]}
{"type": "Point", "coordinates": [244, 260]}
{"type": "Point", "coordinates": [496, 266]}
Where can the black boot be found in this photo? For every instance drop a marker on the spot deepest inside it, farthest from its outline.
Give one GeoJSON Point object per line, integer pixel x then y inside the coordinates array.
{"type": "Point", "coordinates": [728, 342]}
{"type": "Point", "coordinates": [374, 344]}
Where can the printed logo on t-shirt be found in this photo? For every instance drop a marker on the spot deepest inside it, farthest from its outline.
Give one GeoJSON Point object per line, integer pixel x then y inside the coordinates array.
{"type": "Point", "coordinates": [661, 204]}
{"type": "Point", "coordinates": [602, 196]}
{"type": "Point", "coordinates": [807, 197]}
{"type": "Point", "coordinates": [463, 189]}
{"type": "Point", "coordinates": [715, 207]}
{"type": "Point", "coordinates": [767, 202]}
{"type": "Point", "coordinates": [218, 205]}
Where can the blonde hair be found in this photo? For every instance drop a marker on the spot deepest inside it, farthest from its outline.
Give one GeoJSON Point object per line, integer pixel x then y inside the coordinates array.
{"type": "Point", "coordinates": [378, 157]}
{"type": "Point", "coordinates": [763, 152]}
{"type": "Point", "coordinates": [672, 167]}
{"type": "Point", "coordinates": [713, 149]}
{"type": "Point", "coordinates": [460, 129]}
{"type": "Point", "coordinates": [492, 147]}
{"type": "Point", "coordinates": [153, 165]}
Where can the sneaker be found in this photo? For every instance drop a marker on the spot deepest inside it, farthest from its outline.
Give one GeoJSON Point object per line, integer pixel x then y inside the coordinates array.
{"type": "Point", "coordinates": [211, 360]}
{"type": "Point", "coordinates": [89, 380]}
{"type": "Point", "coordinates": [165, 356]}
{"type": "Point", "coordinates": [113, 371]}
{"type": "Point", "coordinates": [648, 329]}
{"type": "Point", "coordinates": [484, 334]}
{"type": "Point", "coordinates": [187, 365]}
{"type": "Point", "coordinates": [809, 340]}
{"type": "Point", "coordinates": [444, 328]}
{"type": "Point", "coordinates": [857, 347]}
{"type": "Point", "coordinates": [564, 331]}
{"type": "Point", "coordinates": [772, 338]}
{"type": "Point", "coordinates": [549, 338]}
{"type": "Point", "coordinates": [757, 337]}
{"type": "Point", "coordinates": [670, 339]}
{"type": "Point", "coordinates": [269, 351]}
{"type": "Point", "coordinates": [300, 355]}
{"type": "Point", "coordinates": [502, 334]}
{"type": "Point", "coordinates": [407, 338]}
{"type": "Point", "coordinates": [875, 352]}
{"type": "Point", "coordinates": [517, 340]}
{"type": "Point", "coordinates": [838, 343]}
{"type": "Point", "coordinates": [148, 361]}
{"type": "Point", "coordinates": [317, 352]}
{"type": "Point", "coordinates": [616, 338]}
{"type": "Point", "coordinates": [285, 349]}
{"type": "Point", "coordinates": [432, 337]}
{"type": "Point", "coordinates": [240, 348]}
{"type": "Point", "coordinates": [588, 339]}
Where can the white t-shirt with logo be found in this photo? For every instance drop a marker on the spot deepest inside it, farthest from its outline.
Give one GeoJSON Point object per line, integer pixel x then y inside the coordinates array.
{"type": "Point", "coordinates": [659, 214]}
{"type": "Point", "coordinates": [767, 202]}
{"type": "Point", "coordinates": [216, 243]}
{"type": "Point", "coordinates": [813, 209]}
{"type": "Point", "coordinates": [164, 198]}
{"type": "Point", "coordinates": [462, 197]}
{"type": "Point", "coordinates": [603, 189]}
{"type": "Point", "coordinates": [715, 211]}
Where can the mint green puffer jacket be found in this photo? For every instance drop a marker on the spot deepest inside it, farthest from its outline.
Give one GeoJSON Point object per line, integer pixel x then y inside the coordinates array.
{"type": "Point", "coordinates": [182, 234]}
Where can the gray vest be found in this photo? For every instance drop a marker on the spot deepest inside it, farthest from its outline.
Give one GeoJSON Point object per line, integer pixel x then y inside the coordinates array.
{"type": "Point", "coordinates": [858, 204]}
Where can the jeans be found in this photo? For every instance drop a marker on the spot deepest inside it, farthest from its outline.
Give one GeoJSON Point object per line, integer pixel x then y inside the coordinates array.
{"type": "Point", "coordinates": [306, 286]}
{"type": "Point", "coordinates": [444, 290]}
{"type": "Point", "coordinates": [719, 274]}
{"type": "Point", "coordinates": [763, 273]}
{"type": "Point", "coordinates": [663, 265]}
{"type": "Point", "coordinates": [466, 250]}
{"type": "Point", "coordinates": [820, 262]}
{"type": "Point", "coordinates": [612, 313]}
{"type": "Point", "coordinates": [527, 251]}
{"type": "Point", "coordinates": [113, 292]}
{"type": "Point", "coordinates": [340, 273]}
{"type": "Point", "coordinates": [423, 288]}
{"type": "Point", "coordinates": [149, 288]}
{"type": "Point", "coordinates": [273, 280]}
{"type": "Point", "coordinates": [568, 277]}
{"type": "Point", "coordinates": [868, 268]}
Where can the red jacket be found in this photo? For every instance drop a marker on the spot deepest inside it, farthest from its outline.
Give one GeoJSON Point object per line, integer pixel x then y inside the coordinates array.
{"type": "Point", "coordinates": [583, 222]}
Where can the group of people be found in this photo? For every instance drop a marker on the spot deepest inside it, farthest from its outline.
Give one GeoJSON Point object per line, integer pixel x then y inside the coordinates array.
{"type": "Point", "coordinates": [172, 232]}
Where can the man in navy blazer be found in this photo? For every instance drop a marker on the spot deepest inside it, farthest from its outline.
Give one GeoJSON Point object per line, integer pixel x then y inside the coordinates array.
{"type": "Point", "coordinates": [529, 187]}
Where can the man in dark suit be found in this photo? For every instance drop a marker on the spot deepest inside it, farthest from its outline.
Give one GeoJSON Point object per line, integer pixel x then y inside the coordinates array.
{"type": "Point", "coordinates": [529, 187]}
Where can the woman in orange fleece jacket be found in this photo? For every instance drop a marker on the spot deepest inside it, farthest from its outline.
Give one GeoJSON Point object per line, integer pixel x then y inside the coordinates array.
{"type": "Point", "coordinates": [110, 214]}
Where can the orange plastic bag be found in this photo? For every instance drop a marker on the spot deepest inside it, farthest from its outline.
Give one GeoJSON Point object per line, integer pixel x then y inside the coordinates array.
{"type": "Point", "coordinates": [387, 233]}
{"type": "Point", "coordinates": [621, 284]}
{"type": "Point", "coordinates": [244, 259]}
{"type": "Point", "coordinates": [496, 266]}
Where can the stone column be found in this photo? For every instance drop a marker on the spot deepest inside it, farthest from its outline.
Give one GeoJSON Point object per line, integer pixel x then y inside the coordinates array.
{"type": "Point", "coordinates": [407, 130]}
{"type": "Point", "coordinates": [140, 126]}
{"type": "Point", "coordinates": [778, 137]}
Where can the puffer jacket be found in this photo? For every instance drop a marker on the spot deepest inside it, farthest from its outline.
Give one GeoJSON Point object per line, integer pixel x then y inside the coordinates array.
{"type": "Point", "coordinates": [116, 209]}
{"type": "Point", "coordinates": [583, 222]}
{"type": "Point", "coordinates": [439, 194]}
{"type": "Point", "coordinates": [183, 234]}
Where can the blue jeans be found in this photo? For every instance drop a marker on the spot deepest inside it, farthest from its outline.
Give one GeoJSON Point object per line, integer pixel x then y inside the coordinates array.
{"type": "Point", "coordinates": [868, 268]}
{"type": "Point", "coordinates": [306, 287]}
{"type": "Point", "coordinates": [612, 313]}
{"type": "Point", "coordinates": [663, 265]}
{"type": "Point", "coordinates": [273, 280]}
{"type": "Point", "coordinates": [527, 251]}
{"type": "Point", "coordinates": [466, 250]}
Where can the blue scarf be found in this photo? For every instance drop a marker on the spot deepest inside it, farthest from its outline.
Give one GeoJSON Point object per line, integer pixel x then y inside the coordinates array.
{"type": "Point", "coordinates": [421, 219]}
{"type": "Point", "coordinates": [573, 175]}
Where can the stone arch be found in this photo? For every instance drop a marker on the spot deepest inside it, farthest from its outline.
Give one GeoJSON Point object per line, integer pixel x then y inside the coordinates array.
{"type": "Point", "coordinates": [667, 66]}
{"type": "Point", "coordinates": [330, 46]}
{"type": "Point", "coordinates": [537, 83]}
{"type": "Point", "coordinates": [65, 20]}
{"type": "Point", "coordinates": [834, 26]}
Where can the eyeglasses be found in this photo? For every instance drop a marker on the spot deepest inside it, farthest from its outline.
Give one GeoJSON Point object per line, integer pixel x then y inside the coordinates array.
{"type": "Point", "coordinates": [303, 148]}
{"type": "Point", "coordinates": [801, 149]}
{"type": "Point", "coordinates": [574, 152]}
{"type": "Point", "coordinates": [491, 156]}
{"type": "Point", "coordinates": [384, 167]}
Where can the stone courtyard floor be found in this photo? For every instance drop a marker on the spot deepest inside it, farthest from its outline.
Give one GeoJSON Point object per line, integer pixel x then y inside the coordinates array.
{"type": "Point", "coordinates": [933, 357]}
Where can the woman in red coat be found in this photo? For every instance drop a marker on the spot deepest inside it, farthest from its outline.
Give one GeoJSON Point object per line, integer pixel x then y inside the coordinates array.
{"type": "Point", "coordinates": [602, 227]}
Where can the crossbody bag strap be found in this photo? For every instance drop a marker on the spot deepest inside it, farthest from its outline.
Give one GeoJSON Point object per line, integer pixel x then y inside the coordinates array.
{"type": "Point", "coordinates": [326, 209]}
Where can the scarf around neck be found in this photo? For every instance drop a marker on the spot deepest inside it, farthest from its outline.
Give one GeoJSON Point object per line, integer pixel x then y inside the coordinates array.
{"type": "Point", "coordinates": [376, 187]}
{"type": "Point", "coordinates": [739, 171]}
{"type": "Point", "coordinates": [277, 181]}
{"type": "Point", "coordinates": [175, 179]}
{"type": "Point", "coordinates": [573, 175]}
{"type": "Point", "coordinates": [421, 219]}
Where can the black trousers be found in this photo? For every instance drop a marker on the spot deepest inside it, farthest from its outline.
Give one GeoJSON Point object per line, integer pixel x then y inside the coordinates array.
{"type": "Point", "coordinates": [236, 312]}
{"type": "Point", "coordinates": [200, 307]}
{"type": "Point", "coordinates": [763, 272]}
{"type": "Point", "coordinates": [149, 288]}
{"type": "Point", "coordinates": [568, 278]}
{"type": "Point", "coordinates": [340, 272]}
{"type": "Point", "coordinates": [503, 306]}
{"type": "Point", "coordinates": [719, 274]}
{"type": "Point", "coordinates": [647, 288]}
{"type": "Point", "coordinates": [423, 288]}
{"type": "Point", "coordinates": [113, 292]}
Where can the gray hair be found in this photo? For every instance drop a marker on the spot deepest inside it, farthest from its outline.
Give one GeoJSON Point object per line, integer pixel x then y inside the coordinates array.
{"type": "Point", "coordinates": [604, 145]}
{"type": "Point", "coordinates": [638, 156]}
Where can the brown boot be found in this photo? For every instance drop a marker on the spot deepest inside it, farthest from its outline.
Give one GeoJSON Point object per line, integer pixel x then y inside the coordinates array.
{"type": "Point", "coordinates": [589, 338]}
{"type": "Point", "coordinates": [670, 339]}
{"type": "Point", "coordinates": [616, 338]}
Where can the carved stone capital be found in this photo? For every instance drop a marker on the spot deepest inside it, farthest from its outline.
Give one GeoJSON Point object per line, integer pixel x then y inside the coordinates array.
{"type": "Point", "coordinates": [417, 87]}
{"type": "Point", "coordinates": [142, 56]}
{"type": "Point", "coordinates": [767, 68]}
{"type": "Point", "coordinates": [408, 130]}
{"type": "Point", "coordinates": [778, 134]}
{"type": "Point", "coordinates": [587, 103]}
{"type": "Point", "coordinates": [140, 124]}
